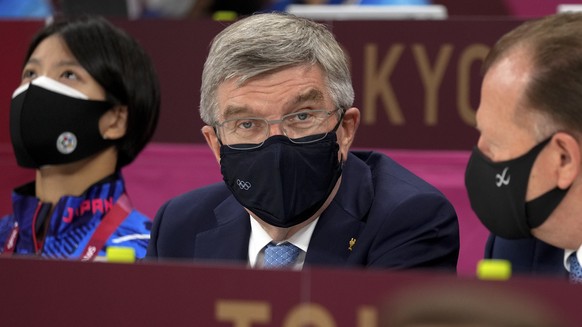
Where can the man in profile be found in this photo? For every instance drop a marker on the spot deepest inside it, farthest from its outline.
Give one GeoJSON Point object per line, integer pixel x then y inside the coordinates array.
{"type": "Point", "coordinates": [524, 177]}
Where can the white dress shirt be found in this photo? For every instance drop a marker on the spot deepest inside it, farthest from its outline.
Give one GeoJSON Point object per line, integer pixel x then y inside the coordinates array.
{"type": "Point", "coordinates": [259, 239]}
{"type": "Point", "coordinates": [567, 254]}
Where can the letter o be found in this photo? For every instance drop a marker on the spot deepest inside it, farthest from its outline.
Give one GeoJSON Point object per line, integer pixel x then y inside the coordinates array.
{"type": "Point", "coordinates": [310, 315]}
{"type": "Point", "coordinates": [474, 52]}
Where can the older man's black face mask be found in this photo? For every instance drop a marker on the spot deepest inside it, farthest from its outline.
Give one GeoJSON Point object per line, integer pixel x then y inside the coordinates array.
{"type": "Point", "coordinates": [281, 182]}
{"type": "Point", "coordinates": [497, 193]}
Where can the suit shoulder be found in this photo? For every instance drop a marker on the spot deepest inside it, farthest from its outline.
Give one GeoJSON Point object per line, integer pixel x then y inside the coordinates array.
{"type": "Point", "coordinates": [527, 256]}
{"type": "Point", "coordinates": [387, 174]}
{"type": "Point", "coordinates": [207, 196]}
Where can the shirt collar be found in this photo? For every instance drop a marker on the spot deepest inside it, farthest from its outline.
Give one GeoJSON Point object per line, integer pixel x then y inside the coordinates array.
{"type": "Point", "coordinates": [259, 238]}
{"type": "Point", "coordinates": [567, 254]}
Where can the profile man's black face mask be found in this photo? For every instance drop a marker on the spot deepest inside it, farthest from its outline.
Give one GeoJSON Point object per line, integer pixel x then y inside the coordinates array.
{"type": "Point", "coordinates": [497, 193]}
{"type": "Point", "coordinates": [281, 182]}
{"type": "Point", "coordinates": [52, 124]}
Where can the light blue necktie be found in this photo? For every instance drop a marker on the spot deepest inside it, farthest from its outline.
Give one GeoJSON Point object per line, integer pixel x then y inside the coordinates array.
{"type": "Point", "coordinates": [575, 269]}
{"type": "Point", "coordinates": [280, 256]}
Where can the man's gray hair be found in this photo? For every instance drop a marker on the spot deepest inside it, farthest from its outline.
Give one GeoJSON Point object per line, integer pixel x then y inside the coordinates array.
{"type": "Point", "coordinates": [265, 43]}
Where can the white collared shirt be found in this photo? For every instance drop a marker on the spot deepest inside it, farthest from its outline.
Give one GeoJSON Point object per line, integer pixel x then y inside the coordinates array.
{"type": "Point", "coordinates": [567, 254]}
{"type": "Point", "coordinates": [259, 239]}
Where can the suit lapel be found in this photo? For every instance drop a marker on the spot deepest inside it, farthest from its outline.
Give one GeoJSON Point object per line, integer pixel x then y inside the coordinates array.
{"type": "Point", "coordinates": [344, 218]}
{"type": "Point", "coordinates": [229, 240]}
{"type": "Point", "coordinates": [330, 242]}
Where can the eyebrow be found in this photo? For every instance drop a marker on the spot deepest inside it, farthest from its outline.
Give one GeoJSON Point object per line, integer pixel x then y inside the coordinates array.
{"type": "Point", "coordinates": [311, 95]}
{"type": "Point", "coordinates": [32, 61]}
{"type": "Point", "coordinates": [235, 110]}
{"type": "Point", "coordinates": [61, 63]}
{"type": "Point", "coordinates": [68, 63]}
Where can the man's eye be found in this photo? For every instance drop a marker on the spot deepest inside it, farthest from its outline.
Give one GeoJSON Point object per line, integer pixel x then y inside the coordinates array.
{"type": "Point", "coordinates": [246, 124]}
{"type": "Point", "coordinates": [302, 116]}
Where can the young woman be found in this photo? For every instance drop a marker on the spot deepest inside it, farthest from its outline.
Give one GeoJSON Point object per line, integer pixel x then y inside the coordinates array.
{"type": "Point", "coordinates": [87, 105]}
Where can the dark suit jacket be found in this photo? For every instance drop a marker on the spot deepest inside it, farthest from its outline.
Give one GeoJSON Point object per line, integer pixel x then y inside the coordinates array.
{"type": "Point", "coordinates": [527, 256]}
{"type": "Point", "coordinates": [397, 219]}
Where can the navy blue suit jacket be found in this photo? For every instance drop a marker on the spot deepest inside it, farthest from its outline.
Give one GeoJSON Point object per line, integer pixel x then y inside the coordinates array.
{"type": "Point", "coordinates": [397, 219]}
{"type": "Point", "coordinates": [527, 256]}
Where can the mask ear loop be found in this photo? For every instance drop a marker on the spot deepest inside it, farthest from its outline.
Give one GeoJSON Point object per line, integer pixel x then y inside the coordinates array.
{"type": "Point", "coordinates": [341, 118]}
{"type": "Point", "coordinates": [540, 208]}
{"type": "Point", "coordinates": [112, 99]}
{"type": "Point", "coordinates": [217, 135]}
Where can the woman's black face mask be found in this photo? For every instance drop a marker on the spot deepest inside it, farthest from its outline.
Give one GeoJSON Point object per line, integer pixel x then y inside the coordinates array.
{"type": "Point", "coordinates": [52, 123]}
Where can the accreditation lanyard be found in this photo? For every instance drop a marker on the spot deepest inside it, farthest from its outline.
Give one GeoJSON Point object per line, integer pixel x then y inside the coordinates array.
{"type": "Point", "coordinates": [105, 229]}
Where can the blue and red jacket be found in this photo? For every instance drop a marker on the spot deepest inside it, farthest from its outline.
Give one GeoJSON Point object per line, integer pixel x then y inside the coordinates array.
{"type": "Point", "coordinates": [72, 223]}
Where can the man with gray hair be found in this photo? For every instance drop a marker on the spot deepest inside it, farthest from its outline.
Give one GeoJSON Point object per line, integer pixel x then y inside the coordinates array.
{"type": "Point", "coordinates": [524, 178]}
{"type": "Point", "coordinates": [277, 99]}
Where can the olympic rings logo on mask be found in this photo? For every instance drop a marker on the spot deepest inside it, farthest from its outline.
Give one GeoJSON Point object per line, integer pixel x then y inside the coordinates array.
{"type": "Point", "coordinates": [243, 185]}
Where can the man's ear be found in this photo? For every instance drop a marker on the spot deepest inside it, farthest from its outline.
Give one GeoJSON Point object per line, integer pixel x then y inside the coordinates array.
{"type": "Point", "coordinates": [348, 129]}
{"type": "Point", "coordinates": [569, 151]}
{"type": "Point", "coordinates": [113, 123]}
{"type": "Point", "coordinates": [212, 141]}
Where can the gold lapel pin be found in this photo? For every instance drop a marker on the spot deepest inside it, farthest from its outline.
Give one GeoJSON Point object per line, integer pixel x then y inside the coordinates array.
{"type": "Point", "coordinates": [352, 243]}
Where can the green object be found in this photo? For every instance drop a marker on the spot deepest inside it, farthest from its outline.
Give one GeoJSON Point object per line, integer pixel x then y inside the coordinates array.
{"type": "Point", "coordinates": [224, 15]}
{"type": "Point", "coordinates": [120, 254]}
{"type": "Point", "coordinates": [493, 269]}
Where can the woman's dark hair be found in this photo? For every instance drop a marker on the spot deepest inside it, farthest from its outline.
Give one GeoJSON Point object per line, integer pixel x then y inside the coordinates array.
{"type": "Point", "coordinates": [121, 66]}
